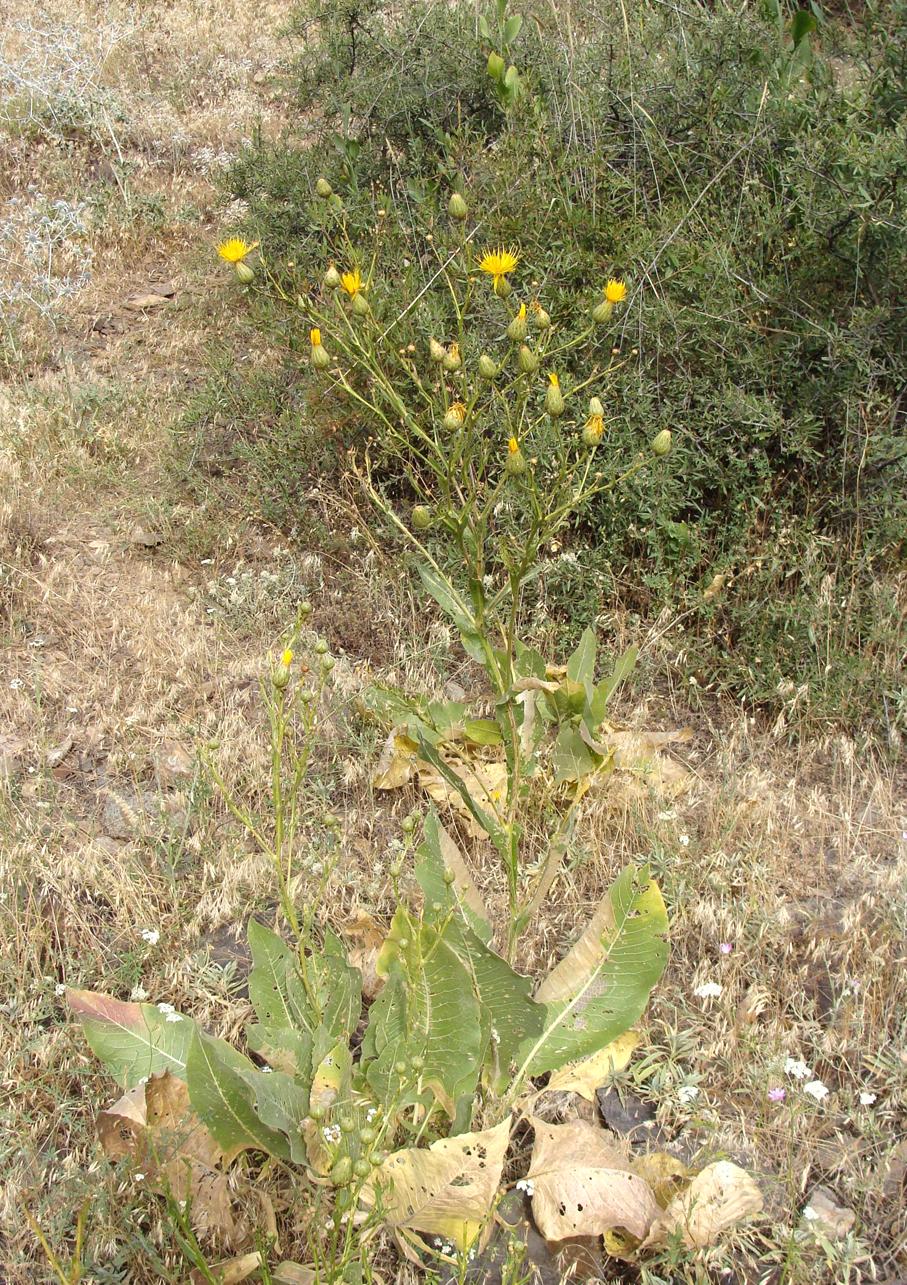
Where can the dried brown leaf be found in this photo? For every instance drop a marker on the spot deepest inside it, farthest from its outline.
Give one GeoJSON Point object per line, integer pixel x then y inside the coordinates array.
{"type": "Point", "coordinates": [585, 1076]}
{"type": "Point", "coordinates": [582, 1184]}
{"type": "Point", "coordinates": [720, 1196]}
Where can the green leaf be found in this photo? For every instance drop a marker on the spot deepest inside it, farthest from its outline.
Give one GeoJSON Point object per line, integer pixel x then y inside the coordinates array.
{"type": "Point", "coordinates": [601, 986]}
{"type": "Point", "coordinates": [482, 731]}
{"type": "Point", "coordinates": [276, 991]}
{"type": "Point", "coordinates": [438, 853]}
{"type": "Point", "coordinates": [134, 1041]}
{"type": "Point", "coordinates": [281, 1103]}
{"type": "Point", "coordinates": [338, 989]}
{"type": "Point", "coordinates": [581, 665]}
{"type": "Point", "coordinates": [222, 1096]}
{"type": "Point", "coordinates": [453, 606]}
{"type": "Point", "coordinates": [485, 819]}
{"type": "Point", "coordinates": [512, 28]}
{"type": "Point", "coordinates": [623, 667]}
{"type": "Point", "coordinates": [572, 758]}
{"type": "Point", "coordinates": [484, 29]}
{"type": "Point", "coordinates": [802, 24]}
{"type": "Point", "coordinates": [283, 1049]}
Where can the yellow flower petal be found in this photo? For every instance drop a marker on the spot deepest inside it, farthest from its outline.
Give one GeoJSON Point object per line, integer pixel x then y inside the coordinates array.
{"type": "Point", "coordinates": [236, 249]}
{"type": "Point", "coordinates": [615, 291]}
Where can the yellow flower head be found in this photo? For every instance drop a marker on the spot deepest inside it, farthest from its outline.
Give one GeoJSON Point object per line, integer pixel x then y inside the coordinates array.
{"type": "Point", "coordinates": [235, 250]}
{"type": "Point", "coordinates": [315, 336]}
{"type": "Point", "coordinates": [459, 409]}
{"type": "Point", "coordinates": [555, 382]}
{"type": "Point", "coordinates": [513, 446]}
{"type": "Point", "coordinates": [615, 291]}
{"type": "Point", "coordinates": [522, 312]}
{"type": "Point", "coordinates": [352, 282]}
{"type": "Point", "coordinates": [287, 659]}
{"type": "Point", "coordinates": [498, 263]}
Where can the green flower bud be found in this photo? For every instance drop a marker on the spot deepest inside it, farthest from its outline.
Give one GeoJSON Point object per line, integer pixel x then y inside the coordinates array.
{"type": "Point", "coordinates": [417, 1062]}
{"type": "Point", "coordinates": [342, 1171]}
{"type": "Point", "coordinates": [367, 1135]}
{"type": "Point", "coordinates": [331, 279]}
{"type": "Point", "coordinates": [554, 398]}
{"type": "Point", "coordinates": [595, 406]}
{"type": "Point", "coordinates": [245, 273]}
{"type": "Point", "coordinates": [495, 66]}
{"type": "Point", "coordinates": [320, 648]}
{"type": "Point", "coordinates": [320, 357]}
{"type": "Point", "coordinates": [515, 464]}
{"type": "Point", "coordinates": [408, 824]}
{"type": "Point", "coordinates": [487, 368]}
{"type": "Point", "coordinates": [362, 1168]}
{"type": "Point", "coordinates": [448, 876]}
{"type": "Point", "coordinates": [456, 207]}
{"type": "Point", "coordinates": [323, 188]}
{"type": "Point", "coordinates": [305, 610]}
{"type": "Point", "coordinates": [400, 1068]}
{"type": "Point", "coordinates": [662, 443]}
{"type": "Point", "coordinates": [331, 821]}
{"type": "Point", "coordinates": [540, 318]}
{"type": "Point", "coordinates": [527, 361]}
{"type": "Point", "coordinates": [593, 430]}
{"type": "Point", "coordinates": [335, 203]}
{"type": "Point", "coordinates": [347, 1124]}
{"type": "Point", "coordinates": [455, 417]}
{"type": "Point", "coordinates": [502, 288]}
{"type": "Point", "coordinates": [421, 517]}
{"type": "Point", "coordinates": [327, 663]}
{"type": "Point", "coordinates": [359, 304]}
{"type": "Point", "coordinates": [602, 311]}
{"type": "Point", "coordinates": [518, 327]}
{"type": "Point", "coordinates": [317, 1112]}
{"type": "Point", "coordinates": [437, 351]}
{"type": "Point", "coordinates": [452, 359]}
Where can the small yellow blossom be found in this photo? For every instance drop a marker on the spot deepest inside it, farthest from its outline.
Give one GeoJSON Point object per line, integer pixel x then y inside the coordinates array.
{"type": "Point", "coordinates": [287, 658]}
{"type": "Point", "coordinates": [236, 249]}
{"type": "Point", "coordinates": [498, 263]}
{"type": "Point", "coordinates": [555, 382]}
{"type": "Point", "coordinates": [615, 291]}
{"type": "Point", "coordinates": [315, 336]}
{"type": "Point", "coordinates": [513, 446]}
{"type": "Point", "coordinates": [352, 282]}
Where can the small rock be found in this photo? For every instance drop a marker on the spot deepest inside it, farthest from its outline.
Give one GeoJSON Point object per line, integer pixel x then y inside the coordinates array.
{"type": "Point", "coordinates": [147, 539]}
{"type": "Point", "coordinates": [173, 764]}
{"type": "Point", "coordinates": [629, 1116]}
{"type": "Point", "coordinates": [55, 756]}
{"type": "Point", "coordinates": [822, 1214]}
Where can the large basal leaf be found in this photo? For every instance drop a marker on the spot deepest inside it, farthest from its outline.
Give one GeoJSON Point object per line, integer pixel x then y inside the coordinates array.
{"type": "Point", "coordinates": [601, 986]}
{"type": "Point", "coordinates": [134, 1041]}
{"type": "Point", "coordinates": [276, 990]}
{"type": "Point", "coordinates": [281, 1102]}
{"type": "Point", "coordinates": [282, 1049]}
{"type": "Point", "coordinates": [439, 853]}
{"type": "Point", "coordinates": [447, 1189]}
{"type": "Point", "coordinates": [602, 693]}
{"type": "Point", "coordinates": [582, 1184]}
{"type": "Point", "coordinates": [453, 607]}
{"type": "Point", "coordinates": [223, 1092]}
{"type": "Point", "coordinates": [441, 1016]}
{"type": "Point", "coordinates": [572, 758]}
{"type": "Point", "coordinates": [581, 665]}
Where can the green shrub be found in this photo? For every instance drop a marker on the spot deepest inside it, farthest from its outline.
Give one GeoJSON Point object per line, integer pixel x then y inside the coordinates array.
{"type": "Point", "coordinates": [746, 176]}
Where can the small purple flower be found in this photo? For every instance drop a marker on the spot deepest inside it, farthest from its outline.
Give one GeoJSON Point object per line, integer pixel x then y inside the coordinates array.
{"type": "Point", "coordinates": [726, 947]}
{"type": "Point", "coordinates": [777, 1095]}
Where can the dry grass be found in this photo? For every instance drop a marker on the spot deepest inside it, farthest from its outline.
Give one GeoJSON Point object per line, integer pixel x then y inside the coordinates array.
{"type": "Point", "coordinates": [135, 622]}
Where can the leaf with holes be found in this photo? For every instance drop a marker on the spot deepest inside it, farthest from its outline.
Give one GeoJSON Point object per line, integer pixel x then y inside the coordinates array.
{"type": "Point", "coordinates": [602, 984]}
{"type": "Point", "coordinates": [134, 1041]}
{"type": "Point", "coordinates": [439, 855]}
{"type": "Point", "coordinates": [582, 1184]}
{"type": "Point", "coordinates": [222, 1092]}
{"type": "Point", "coordinates": [447, 1189]}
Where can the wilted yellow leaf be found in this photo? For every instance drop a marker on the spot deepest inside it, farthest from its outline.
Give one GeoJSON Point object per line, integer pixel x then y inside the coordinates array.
{"type": "Point", "coordinates": [364, 939]}
{"type": "Point", "coordinates": [397, 762]}
{"type": "Point", "coordinates": [590, 1073]}
{"type": "Point", "coordinates": [485, 781]}
{"type": "Point", "coordinates": [447, 1189]}
{"type": "Point", "coordinates": [720, 1196]}
{"type": "Point", "coordinates": [664, 1173]}
{"type": "Point", "coordinates": [582, 1184]}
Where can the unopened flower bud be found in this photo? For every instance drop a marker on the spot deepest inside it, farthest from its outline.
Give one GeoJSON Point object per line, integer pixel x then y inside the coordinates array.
{"type": "Point", "coordinates": [515, 464]}
{"type": "Point", "coordinates": [554, 398]}
{"type": "Point", "coordinates": [335, 203]}
{"type": "Point", "coordinates": [362, 1168]}
{"type": "Point", "coordinates": [304, 610]}
{"type": "Point", "coordinates": [245, 273]}
{"type": "Point", "coordinates": [437, 351]}
{"type": "Point", "coordinates": [281, 675]}
{"type": "Point", "coordinates": [327, 664]}
{"type": "Point", "coordinates": [527, 361]}
{"type": "Point", "coordinates": [323, 188]}
{"type": "Point", "coordinates": [502, 288]}
{"type": "Point", "coordinates": [332, 277]}
{"type": "Point", "coordinates": [452, 359]}
{"type": "Point", "coordinates": [518, 327]}
{"type": "Point", "coordinates": [595, 406]}
{"type": "Point", "coordinates": [488, 369]}
{"type": "Point", "coordinates": [602, 311]}
{"type": "Point", "coordinates": [495, 66]}
{"type": "Point", "coordinates": [456, 207]}
{"type": "Point", "coordinates": [342, 1171]}
{"type": "Point", "coordinates": [449, 876]}
{"type": "Point", "coordinates": [593, 430]}
{"type": "Point", "coordinates": [320, 648]}
{"type": "Point", "coordinates": [662, 443]}
{"type": "Point", "coordinates": [540, 318]}
{"type": "Point", "coordinates": [421, 517]}
{"type": "Point", "coordinates": [359, 304]}
{"type": "Point", "coordinates": [455, 417]}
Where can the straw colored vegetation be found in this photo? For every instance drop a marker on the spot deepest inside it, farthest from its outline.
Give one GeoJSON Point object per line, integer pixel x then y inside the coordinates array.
{"type": "Point", "coordinates": [139, 612]}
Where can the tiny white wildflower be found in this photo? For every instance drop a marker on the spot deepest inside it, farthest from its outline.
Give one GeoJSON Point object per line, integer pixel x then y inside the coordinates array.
{"type": "Point", "coordinates": [526, 1185]}
{"type": "Point", "coordinates": [166, 1008]}
{"type": "Point", "coordinates": [266, 1070]}
{"type": "Point", "coordinates": [684, 840]}
{"type": "Point", "coordinates": [810, 1214]}
{"type": "Point", "coordinates": [687, 1093]}
{"type": "Point", "coordinates": [708, 990]}
{"type": "Point", "coordinates": [495, 1037]}
{"type": "Point", "coordinates": [867, 1099]}
{"type": "Point", "coordinates": [371, 1113]}
{"type": "Point", "coordinates": [16, 683]}
{"type": "Point", "coordinates": [816, 1089]}
{"type": "Point", "coordinates": [799, 1070]}
{"type": "Point", "coordinates": [151, 935]}
{"type": "Point", "coordinates": [139, 1177]}
{"type": "Point", "coordinates": [173, 1017]}
{"type": "Point", "coordinates": [138, 994]}
{"type": "Point", "coordinates": [60, 989]}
